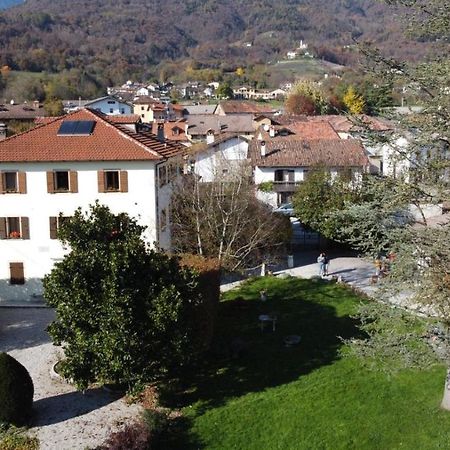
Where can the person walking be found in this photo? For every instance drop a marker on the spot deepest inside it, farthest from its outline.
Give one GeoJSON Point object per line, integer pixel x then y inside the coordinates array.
{"type": "Point", "coordinates": [326, 264]}
{"type": "Point", "coordinates": [321, 262]}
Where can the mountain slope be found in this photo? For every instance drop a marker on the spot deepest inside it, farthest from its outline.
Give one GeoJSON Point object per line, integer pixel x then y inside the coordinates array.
{"type": "Point", "coordinates": [8, 3]}
{"type": "Point", "coordinates": [119, 37]}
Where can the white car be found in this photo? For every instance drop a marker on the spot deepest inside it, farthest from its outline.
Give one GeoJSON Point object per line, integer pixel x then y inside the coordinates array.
{"type": "Point", "coordinates": [285, 208]}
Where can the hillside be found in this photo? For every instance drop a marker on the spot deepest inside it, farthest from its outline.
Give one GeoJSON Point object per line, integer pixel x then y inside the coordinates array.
{"type": "Point", "coordinates": [118, 38]}
{"type": "Point", "coordinates": [8, 3]}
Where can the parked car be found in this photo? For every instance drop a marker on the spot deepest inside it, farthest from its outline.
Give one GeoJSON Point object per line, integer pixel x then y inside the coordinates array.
{"type": "Point", "coordinates": [285, 208]}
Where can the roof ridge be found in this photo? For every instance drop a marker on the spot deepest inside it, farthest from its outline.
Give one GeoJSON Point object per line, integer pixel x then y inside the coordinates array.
{"type": "Point", "coordinates": [117, 126]}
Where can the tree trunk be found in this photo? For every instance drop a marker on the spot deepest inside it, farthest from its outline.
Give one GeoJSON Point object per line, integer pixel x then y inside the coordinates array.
{"type": "Point", "coordinates": [445, 404]}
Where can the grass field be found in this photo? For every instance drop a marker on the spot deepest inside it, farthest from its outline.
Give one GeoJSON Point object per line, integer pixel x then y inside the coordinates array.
{"type": "Point", "coordinates": [302, 68]}
{"type": "Point", "coordinates": [261, 394]}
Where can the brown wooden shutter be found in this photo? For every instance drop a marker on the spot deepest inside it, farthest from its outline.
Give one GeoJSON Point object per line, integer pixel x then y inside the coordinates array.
{"type": "Point", "coordinates": [22, 177]}
{"type": "Point", "coordinates": [101, 181]}
{"type": "Point", "coordinates": [53, 227]}
{"type": "Point", "coordinates": [2, 189]}
{"type": "Point", "coordinates": [2, 227]}
{"type": "Point", "coordinates": [25, 225]}
{"type": "Point", "coordinates": [73, 181]}
{"type": "Point", "coordinates": [50, 183]}
{"type": "Point", "coordinates": [17, 275]}
{"type": "Point", "coordinates": [123, 181]}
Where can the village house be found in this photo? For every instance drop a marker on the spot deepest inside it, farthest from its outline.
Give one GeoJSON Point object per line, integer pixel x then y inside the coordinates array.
{"type": "Point", "coordinates": [258, 94]}
{"type": "Point", "coordinates": [48, 172]}
{"type": "Point", "coordinates": [221, 159]}
{"type": "Point", "coordinates": [174, 131]}
{"type": "Point", "coordinates": [205, 128]}
{"type": "Point", "coordinates": [24, 113]}
{"type": "Point", "coordinates": [109, 105]}
{"type": "Point", "coordinates": [149, 110]}
{"type": "Point", "coordinates": [283, 162]}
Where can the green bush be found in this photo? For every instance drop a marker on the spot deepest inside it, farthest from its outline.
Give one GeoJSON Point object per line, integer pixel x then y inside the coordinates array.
{"type": "Point", "coordinates": [16, 391]}
{"type": "Point", "coordinates": [12, 438]}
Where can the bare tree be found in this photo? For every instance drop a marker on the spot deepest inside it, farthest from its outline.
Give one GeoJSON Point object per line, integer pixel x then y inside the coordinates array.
{"type": "Point", "coordinates": [223, 219]}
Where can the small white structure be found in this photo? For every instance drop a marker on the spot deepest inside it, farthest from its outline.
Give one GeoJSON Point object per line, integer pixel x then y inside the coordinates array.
{"type": "Point", "coordinates": [71, 162]}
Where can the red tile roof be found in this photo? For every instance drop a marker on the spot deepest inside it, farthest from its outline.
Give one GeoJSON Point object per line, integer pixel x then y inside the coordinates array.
{"type": "Point", "coordinates": [300, 153]}
{"type": "Point", "coordinates": [124, 118]}
{"type": "Point", "coordinates": [170, 130]}
{"type": "Point", "coordinates": [312, 130]}
{"type": "Point", "coordinates": [107, 142]}
{"type": "Point", "coordinates": [244, 107]}
{"type": "Point", "coordinates": [355, 124]}
{"type": "Point", "coordinates": [44, 120]}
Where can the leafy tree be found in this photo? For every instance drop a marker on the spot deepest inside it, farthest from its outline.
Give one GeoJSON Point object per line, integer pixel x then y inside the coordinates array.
{"type": "Point", "coordinates": [421, 269]}
{"type": "Point", "coordinates": [306, 98]}
{"type": "Point", "coordinates": [353, 101]}
{"type": "Point", "coordinates": [224, 91]}
{"type": "Point", "coordinates": [320, 195]}
{"type": "Point", "coordinates": [54, 107]}
{"type": "Point", "coordinates": [122, 310]}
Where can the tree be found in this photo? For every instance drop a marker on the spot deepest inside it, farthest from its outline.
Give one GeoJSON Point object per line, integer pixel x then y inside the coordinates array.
{"type": "Point", "coordinates": [122, 310]}
{"type": "Point", "coordinates": [54, 107]}
{"type": "Point", "coordinates": [306, 98]}
{"type": "Point", "coordinates": [421, 269]}
{"type": "Point", "coordinates": [353, 101]}
{"type": "Point", "coordinates": [224, 91]}
{"type": "Point", "coordinates": [223, 219]}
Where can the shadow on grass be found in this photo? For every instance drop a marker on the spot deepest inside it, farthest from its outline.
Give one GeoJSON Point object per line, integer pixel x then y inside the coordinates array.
{"type": "Point", "coordinates": [246, 359]}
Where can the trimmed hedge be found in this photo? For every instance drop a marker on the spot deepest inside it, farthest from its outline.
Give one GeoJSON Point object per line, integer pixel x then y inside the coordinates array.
{"type": "Point", "coordinates": [16, 391]}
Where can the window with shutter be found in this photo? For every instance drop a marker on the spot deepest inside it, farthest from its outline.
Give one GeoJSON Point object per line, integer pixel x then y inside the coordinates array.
{"type": "Point", "coordinates": [112, 181]}
{"type": "Point", "coordinates": [17, 275]}
{"type": "Point", "coordinates": [123, 181]}
{"type": "Point", "coordinates": [10, 183]}
{"type": "Point", "coordinates": [55, 224]}
{"type": "Point", "coordinates": [101, 181]}
{"type": "Point", "coordinates": [22, 182]}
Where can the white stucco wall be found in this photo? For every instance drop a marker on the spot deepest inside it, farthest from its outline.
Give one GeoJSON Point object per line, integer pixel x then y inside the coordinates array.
{"type": "Point", "coordinates": [39, 253]}
{"type": "Point", "coordinates": [264, 174]}
{"type": "Point", "coordinates": [229, 156]}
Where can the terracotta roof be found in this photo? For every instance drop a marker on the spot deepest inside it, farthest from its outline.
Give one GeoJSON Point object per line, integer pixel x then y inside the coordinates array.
{"type": "Point", "coordinates": [169, 128]}
{"type": "Point", "coordinates": [107, 142]}
{"type": "Point", "coordinates": [24, 111]}
{"type": "Point", "coordinates": [124, 118]}
{"type": "Point", "coordinates": [44, 120]}
{"type": "Point", "coordinates": [312, 130]}
{"type": "Point", "coordinates": [237, 123]}
{"type": "Point", "coordinates": [243, 107]}
{"type": "Point", "coordinates": [300, 153]}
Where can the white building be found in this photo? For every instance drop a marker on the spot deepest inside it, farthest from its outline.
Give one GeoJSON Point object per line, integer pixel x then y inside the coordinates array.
{"type": "Point", "coordinates": [220, 159]}
{"type": "Point", "coordinates": [282, 163]}
{"type": "Point", "coordinates": [68, 163]}
{"type": "Point", "coordinates": [109, 105]}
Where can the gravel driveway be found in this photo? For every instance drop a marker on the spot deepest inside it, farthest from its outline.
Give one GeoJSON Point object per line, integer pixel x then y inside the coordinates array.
{"type": "Point", "coordinates": [64, 419]}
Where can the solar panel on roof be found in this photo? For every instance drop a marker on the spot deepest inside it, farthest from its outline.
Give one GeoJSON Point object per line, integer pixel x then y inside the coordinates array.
{"type": "Point", "coordinates": [76, 128]}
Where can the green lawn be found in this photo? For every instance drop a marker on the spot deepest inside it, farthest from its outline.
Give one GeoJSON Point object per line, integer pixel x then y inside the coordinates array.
{"type": "Point", "coordinates": [254, 393]}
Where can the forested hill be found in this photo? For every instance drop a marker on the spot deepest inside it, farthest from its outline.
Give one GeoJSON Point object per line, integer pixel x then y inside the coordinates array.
{"type": "Point", "coordinates": [120, 37]}
{"type": "Point", "coordinates": [8, 3]}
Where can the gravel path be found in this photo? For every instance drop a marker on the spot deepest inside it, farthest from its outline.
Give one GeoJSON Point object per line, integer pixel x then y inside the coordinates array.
{"type": "Point", "coordinates": [64, 419]}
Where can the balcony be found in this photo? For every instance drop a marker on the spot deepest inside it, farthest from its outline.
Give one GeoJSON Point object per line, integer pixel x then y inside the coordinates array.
{"type": "Point", "coordinates": [285, 186]}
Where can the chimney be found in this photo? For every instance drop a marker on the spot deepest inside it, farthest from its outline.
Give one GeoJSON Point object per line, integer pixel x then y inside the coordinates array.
{"type": "Point", "coordinates": [36, 104]}
{"type": "Point", "coordinates": [2, 131]}
{"type": "Point", "coordinates": [272, 132]}
{"type": "Point", "coordinates": [160, 134]}
{"type": "Point", "coordinates": [263, 149]}
{"type": "Point", "coordinates": [210, 137]}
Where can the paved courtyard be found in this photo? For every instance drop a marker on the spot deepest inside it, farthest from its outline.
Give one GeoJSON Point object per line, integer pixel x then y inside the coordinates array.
{"type": "Point", "coordinates": [64, 419]}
